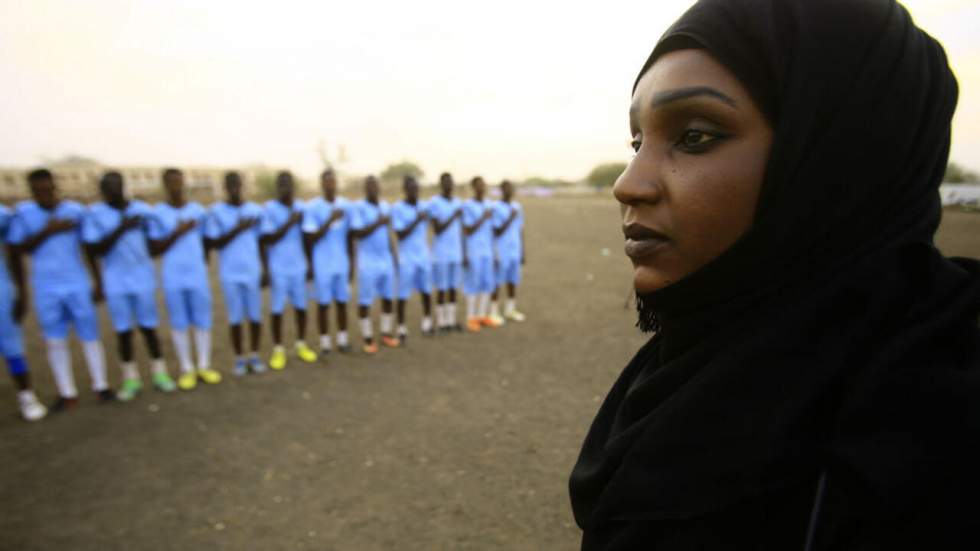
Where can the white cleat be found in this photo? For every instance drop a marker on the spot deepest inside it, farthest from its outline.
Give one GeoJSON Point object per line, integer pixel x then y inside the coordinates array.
{"type": "Point", "coordinates": [30, 408]}
{"type": "Point", "coordinates": [514, 315]}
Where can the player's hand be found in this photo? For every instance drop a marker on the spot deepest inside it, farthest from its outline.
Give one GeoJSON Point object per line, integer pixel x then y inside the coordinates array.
{"type": "Point", "coordinates": [337, 214]}
{"type": "Point", "coordinates": [457, 214]}
{"type": "Point", "coordinates": [97, 294]}
{"type": "Point", "coordinates": [487, 214]}
{"type": "Point", "coordinates": [295, 218]}
{"type": "Point", "coordinates": [20, 308]}
{"type": "Point", "coordinates": [384, 219]}
{"type": "Point", "coordinates": [246, 223]}
{"type": "Point", "coordinates": [131, 222]}
{"type": "Point", "coordinates": [513, 215]}
{"type": "Point", "coordinates": [264, 280]}
{"type": "Point", "coordinates": [58, 225]}
{"type": "Point", "coordinates": [466, 262]}
{"type": "Point", "coordinates": [186, 226]}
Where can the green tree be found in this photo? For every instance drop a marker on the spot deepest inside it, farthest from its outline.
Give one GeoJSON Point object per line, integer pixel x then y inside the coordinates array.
{"type": "Point", "coordinates": [396, 171]}
{"type": "Point", "coordinates": [605, 175]}
{"type": "Point", "coordinates": [956, 174]}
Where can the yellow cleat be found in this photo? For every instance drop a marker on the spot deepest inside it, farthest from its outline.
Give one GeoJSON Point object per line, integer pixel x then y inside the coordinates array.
{"type": "Point", "coordinates": [278, 359]}
{"type": "Point", "coordinates": [305, 353]}
{"type": "Point", "coordinates": [209, 376]}
{"type": "Point", "coordinates": [514, 315]}
{"type": "Point", "coordinates": [187, 381]}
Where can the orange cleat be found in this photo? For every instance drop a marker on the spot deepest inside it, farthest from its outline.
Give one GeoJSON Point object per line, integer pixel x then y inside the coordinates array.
{"type": "Point", "coordinates": [473, 325]}
{"type": "Point", "coordinates": [490, 322]}
{"type": "Point", "coordinates": [371, 348]}
{"type": "Point", "coordinates": [389, 341]}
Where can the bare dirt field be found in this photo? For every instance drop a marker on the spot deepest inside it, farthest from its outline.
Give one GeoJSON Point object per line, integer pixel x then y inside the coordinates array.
{"type": "Point", "coordinates": [457, 442]}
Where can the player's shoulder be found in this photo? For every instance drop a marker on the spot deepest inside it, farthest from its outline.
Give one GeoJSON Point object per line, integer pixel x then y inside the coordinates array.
{"type": "Point", "coordinates": [27, 206]}
{"type": "Point", "coordinates": [5, 210]}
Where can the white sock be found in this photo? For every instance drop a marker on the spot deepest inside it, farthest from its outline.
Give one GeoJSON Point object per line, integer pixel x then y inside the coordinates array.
{"type": "Point", "coordinates": [402, 330]}
{"type": "Point", "coordinates": [202, 339]}
{"type": "Point", "coordinates": [341, 338]}
{"type": "Point", "coordinates": [484, 305]}
{"type": "Point", "coordinates": [279, 348]}
{"type": "Point", "coordinates": [471, 311]}
{"type": "Point", "coordinates": [494, 309]}
{"type": "Point", "coordinates": [325, 342]}
{"type": "Point", "coordinates": [299, 343]}
{"type": "Point", "coordinates": [426, 324]}
{"type": "Point", "coordinates": [95, 359]}
{"type": "Point", "coordinates": [158, 366]}
{"type": "Point", "coordinates": [182, 345]}
{"type": "Point", "coordinates": [387, 320]}
{"type": "Point", "coordinates": [60, 361]}
{"type": "Point", "coordinates": [130, 372]}
{"type": "Point", "coordinates": [451, 316]}
{"type": "Point", "coordinates": [511, 306]}
{"type": "Point", "coordinates": [366, 331]}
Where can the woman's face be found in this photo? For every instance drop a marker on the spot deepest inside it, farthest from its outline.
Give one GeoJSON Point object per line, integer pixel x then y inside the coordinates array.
{"type": "Point", "coordinates": [701, 147]}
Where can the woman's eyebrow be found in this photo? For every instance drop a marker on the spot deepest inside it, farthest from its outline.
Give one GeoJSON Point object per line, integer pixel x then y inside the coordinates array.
{"type": "Point", "coordinates": [662, 98]}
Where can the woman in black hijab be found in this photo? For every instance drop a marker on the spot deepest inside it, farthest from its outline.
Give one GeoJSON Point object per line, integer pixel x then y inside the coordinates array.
{"type": "Point", "coordinates": [813, 379]}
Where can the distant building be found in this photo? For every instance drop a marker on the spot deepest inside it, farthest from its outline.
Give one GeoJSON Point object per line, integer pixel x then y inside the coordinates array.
{"type": "Point", "coordinates": [79, 180]}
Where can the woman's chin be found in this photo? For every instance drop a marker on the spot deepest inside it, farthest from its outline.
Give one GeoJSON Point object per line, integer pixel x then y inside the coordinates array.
{"type": "Point", "coordinates": [647, 279]}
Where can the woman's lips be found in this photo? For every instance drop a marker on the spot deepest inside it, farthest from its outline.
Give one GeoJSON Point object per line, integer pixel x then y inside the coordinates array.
{"type": "Point", "coordinates": [642, 241]}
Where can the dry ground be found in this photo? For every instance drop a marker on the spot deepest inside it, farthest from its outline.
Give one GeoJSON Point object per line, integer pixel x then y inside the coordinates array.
{"type": "Point", "coordinates": [459, 442]}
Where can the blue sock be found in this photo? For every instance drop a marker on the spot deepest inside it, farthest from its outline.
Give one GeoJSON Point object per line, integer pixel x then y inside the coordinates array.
{"type": "Point", "coordinates": [16, 365]}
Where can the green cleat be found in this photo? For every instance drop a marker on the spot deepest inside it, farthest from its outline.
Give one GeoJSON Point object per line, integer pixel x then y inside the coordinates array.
{"type": "Point", "coordinates": [163, 382]}
{"type": "Point", "coordinates": [129, 389]}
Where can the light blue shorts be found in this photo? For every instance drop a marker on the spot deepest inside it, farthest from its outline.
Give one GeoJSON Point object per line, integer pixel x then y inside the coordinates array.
{"type": "Point", "coordinates": [188, 306]}
{"type": "Point", "coordinates": [375, 283]}
{"type": "Point", "coordinates": [125, 309]}
{"type": "Point", "coordinates": [291, 287]}
{"type": "Point", "coordinates": [11, 340]}
{"type": "Point", "coordinates": [332, 288]}
{"type": "Point", "coordinates": [479, 276]}
{"type": "Point", "coordinates": [414, 276]}
{"type": "Point", "coordinates": [509, 271]}
{"type": "Point", "coordinates": [57, 308]}
{"type": "Point", "coordinates": [242, 298]}
{"type": "Point", "coordinates": [447, 275]}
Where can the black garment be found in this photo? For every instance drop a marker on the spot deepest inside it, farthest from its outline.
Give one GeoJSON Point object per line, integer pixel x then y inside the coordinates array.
{"type": "Point", "coordinates": [833, 339]}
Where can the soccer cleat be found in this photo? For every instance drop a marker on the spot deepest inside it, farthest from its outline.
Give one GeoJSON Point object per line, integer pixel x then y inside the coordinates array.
{"type": "Point", "coordinates": [473, 325]}
{"type": "Point", "coordinates": [187, 381]}
{"type": "Point", "coordinates": [63, 404]}
{"type": "Point", "coordinates": [370, 348]}
{"type": "Point", "coordinates": [30, 408]}
{"type": "Point", "coordinates": [305, 353]}
{"type": "Point", "coordinates": [278, 359]}
{"type": "Point", "coordinates": [129, 389]}
{"type": "Point", "coordinates": [257, 365]}
{"type": "Point", "coordinates": [240, 369]}
{"type": "Point", "coordinates": [389, 341]}
{"type": "Point", "coordinates": [163, 382]}
{"type": "Point", "coordinates": [105, 396]}
{"type": "Point", "coordinates": [493, 321]}
{"type": "Point", "coordinates": [209, 376]}
{"type": "Point", "coordinates": [514, 315]}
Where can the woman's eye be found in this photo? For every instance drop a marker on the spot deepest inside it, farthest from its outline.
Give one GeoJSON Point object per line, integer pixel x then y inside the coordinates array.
{"type": "Point", "coordinates": [696, 141]}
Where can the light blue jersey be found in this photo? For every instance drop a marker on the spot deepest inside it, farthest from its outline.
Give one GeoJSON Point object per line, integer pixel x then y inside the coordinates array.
{"type": "Point", "coordinates": [508, 244]}
{"type": "Point", "coordinates": [330, 252]}
{"type": "Point", "coordinates": [127, 267]}
{"type": "Point", "coordinates": [5, 283]}
{"type": "Point", "coordinates": [286, 256]}
{"type": "Point", "coordinates": [183, 265]}
{"type": "Point", "coordinates": [415, 247]}
{"type": "Point", "coordinates": [373, 251]}
{"type": "Point", "coordinates": [56, 265]}
{"type": "Point", "coordinates": [11, 341]}
{"type": "Point", "coordinates": [239, 261]}
{"type": "Point", "coordinates": [447, 247]}
{"type": "Point", "coordinates": [479, 244]}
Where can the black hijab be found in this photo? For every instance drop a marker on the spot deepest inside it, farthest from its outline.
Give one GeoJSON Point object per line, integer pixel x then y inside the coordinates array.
{"type": "Point", "coordinates": [833, 337]}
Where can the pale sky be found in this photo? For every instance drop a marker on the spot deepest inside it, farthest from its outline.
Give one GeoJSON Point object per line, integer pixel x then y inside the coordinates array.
{"type": "Point", "coordinates": [504, 89]}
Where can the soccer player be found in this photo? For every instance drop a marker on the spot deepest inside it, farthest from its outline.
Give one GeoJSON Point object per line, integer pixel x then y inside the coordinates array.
{"type": "Point", "coordinates": [508, 231]}
{"type": "Point", "coordinates": [445, 212]}
{"type": "Point", "coordinates": [233, 228]}
{"type": "Point", "coordinates": [288, 267]}
{"type": "Point", "coordinates": [408, 218]}
{"type": "Point", "coordinates": [326, 225]}
{"type": "Point", "coordinates": [12, 308]}
{"type": "Point", "coordinates": [478, 258]}
{"type": "Point", "coordinates": [177, 233]}
{"type": "Point", "coordinates": [376, 256]}
{"type": "Point", "coordinates": [115, 232]}
{"type": "Point", "coordinates": [47, 229]}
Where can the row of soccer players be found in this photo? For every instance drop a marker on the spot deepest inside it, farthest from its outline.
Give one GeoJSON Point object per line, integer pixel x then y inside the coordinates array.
{"type": "Point", "coordinates": [477, 244]}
